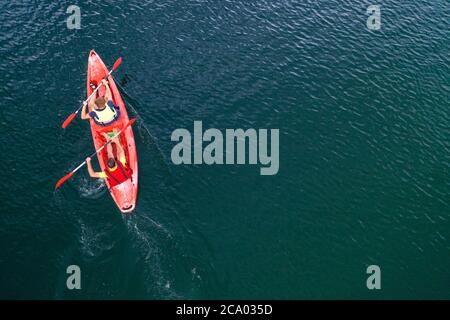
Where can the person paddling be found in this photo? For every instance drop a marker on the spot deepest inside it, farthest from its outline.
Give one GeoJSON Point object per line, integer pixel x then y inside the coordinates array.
{"type": "Point", "coordinates": [116, 171]}
{"type": "Point", "coordinates": [103, 110]}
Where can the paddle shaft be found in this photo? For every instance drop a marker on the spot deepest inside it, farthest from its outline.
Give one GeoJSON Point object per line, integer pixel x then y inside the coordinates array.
{"type": "Point", "coordinates": [100, 149]}
{"type": "Point", "coordinates": [68, 176]}
{"type": "Point", "coordinates": [94, 92]}
{"type": "Point", "coordinates": [97, 151]}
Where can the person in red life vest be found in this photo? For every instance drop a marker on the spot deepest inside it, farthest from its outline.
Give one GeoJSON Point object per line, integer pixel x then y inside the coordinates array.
{"type": "Point", "coordinates": [116, 172]}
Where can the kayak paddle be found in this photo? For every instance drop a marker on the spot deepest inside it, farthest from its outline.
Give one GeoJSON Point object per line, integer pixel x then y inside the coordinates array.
{"type": "Point", "coordinates": [69, 175]}
{"type": "Point", "coordinates": [73, 115]}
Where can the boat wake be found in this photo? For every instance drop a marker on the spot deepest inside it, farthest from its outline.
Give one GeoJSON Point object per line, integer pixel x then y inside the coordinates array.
{"type": "Point", "coordinates": [91, 188]}
{"type": "Point", "coordinates": [150, 255]}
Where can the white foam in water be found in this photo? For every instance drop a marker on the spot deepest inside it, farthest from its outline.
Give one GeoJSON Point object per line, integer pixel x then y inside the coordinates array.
{"type": "Point", "coordinates": [94, 239]}
{"type": "Point", "coordinates": [86, 238]}
{"type": "Point", "coordinates": [91, 188]}
{"type": "Point", "coordinates": [150, 254]}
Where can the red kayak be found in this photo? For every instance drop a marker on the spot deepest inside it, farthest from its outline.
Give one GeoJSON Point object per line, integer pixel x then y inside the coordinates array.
{"type": "Point", "coordinates": [124, 194]}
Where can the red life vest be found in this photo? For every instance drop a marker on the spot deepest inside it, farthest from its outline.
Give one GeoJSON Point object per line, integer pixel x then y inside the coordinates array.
{"type": "Point", "coordinates": [118, 175]}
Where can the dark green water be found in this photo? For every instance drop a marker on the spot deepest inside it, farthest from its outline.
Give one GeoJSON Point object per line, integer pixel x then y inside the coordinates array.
{"type": "Point", "coordinates": [364, 150]}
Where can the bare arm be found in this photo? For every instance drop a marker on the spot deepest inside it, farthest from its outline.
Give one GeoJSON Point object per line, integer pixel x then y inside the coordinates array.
{"type": "Point", "coordinates": [108, 95]}
{"type": "Point", "coordinates": [86, 109]}
{"type": "Point", "coordinates": [91, 171]}
{"type": "Point", "coordinates": [85, 112]}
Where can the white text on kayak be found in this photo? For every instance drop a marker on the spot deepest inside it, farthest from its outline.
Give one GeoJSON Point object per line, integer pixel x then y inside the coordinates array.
{"type": "Point", "coordinates": [240, 146]}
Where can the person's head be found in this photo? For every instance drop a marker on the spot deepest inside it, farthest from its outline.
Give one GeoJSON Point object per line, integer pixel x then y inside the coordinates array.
{"type": "Point", "coordinates": [100, 103]}
{"type": "Point", "coordinates": [111, 163]}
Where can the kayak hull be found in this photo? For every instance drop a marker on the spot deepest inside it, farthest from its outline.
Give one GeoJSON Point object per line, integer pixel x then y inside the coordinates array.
{"type": "Point", "coordinates": [124, 194]}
